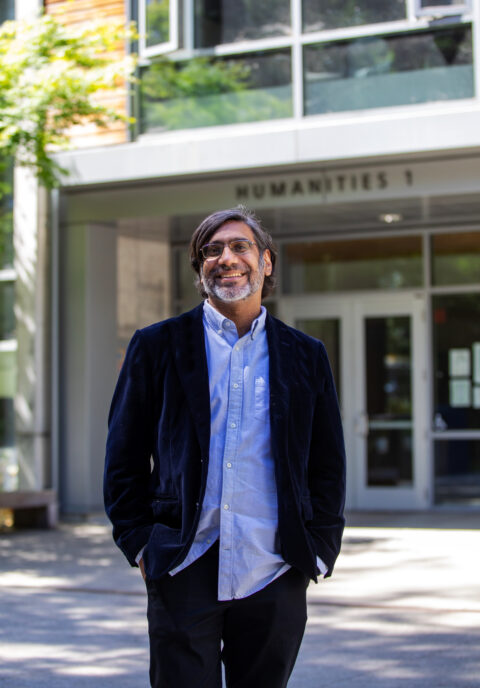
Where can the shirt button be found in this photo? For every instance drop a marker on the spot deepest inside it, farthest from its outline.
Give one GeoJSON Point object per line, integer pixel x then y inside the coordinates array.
{"type": "Point", "coordinates": [226, 507]}
{"type": "Point", "coordinates": [233, 425]}
{"type": "Point", "coordinates": [235, 384]}
{"type": "Point", "coordinates": [229, 465]}
{"type": "Point", "coordinates": [237, 348]}
{"type": "Point", "coordinates": [219, 331]}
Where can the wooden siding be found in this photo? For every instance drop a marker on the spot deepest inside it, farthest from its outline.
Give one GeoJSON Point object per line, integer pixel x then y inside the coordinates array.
{"type": "Point", "coordinates": [76, 13]}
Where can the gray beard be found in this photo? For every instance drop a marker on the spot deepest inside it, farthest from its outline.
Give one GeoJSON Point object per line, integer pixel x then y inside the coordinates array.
{"type": "Point", "coordinates": [234, 293]}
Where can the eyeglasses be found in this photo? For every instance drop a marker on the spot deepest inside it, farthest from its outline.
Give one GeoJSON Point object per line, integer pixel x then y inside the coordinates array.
{"type": "Point", "coordinates": [236, 246]}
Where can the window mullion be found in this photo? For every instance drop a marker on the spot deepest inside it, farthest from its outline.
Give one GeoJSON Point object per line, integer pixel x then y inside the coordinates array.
{"type": "Point", "coordinates": [476, 49]}
{"type": "Point", "coordinates": [188, 25]}
{"type": "Point", "coordinates": [411, 10]}
{"type": "Point", "coordinates": [297, 58]}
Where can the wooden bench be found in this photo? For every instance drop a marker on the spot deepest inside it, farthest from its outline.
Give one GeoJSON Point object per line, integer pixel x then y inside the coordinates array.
{"type": "Point", "coordinates": [32, 508]}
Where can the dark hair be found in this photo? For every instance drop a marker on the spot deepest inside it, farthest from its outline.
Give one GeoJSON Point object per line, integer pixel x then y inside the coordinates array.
{"type": "Point", "coordinates": [209, 226]}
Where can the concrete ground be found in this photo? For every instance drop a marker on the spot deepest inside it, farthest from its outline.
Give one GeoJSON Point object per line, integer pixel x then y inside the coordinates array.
{"type": "Point", "coordinates": [402, 609]}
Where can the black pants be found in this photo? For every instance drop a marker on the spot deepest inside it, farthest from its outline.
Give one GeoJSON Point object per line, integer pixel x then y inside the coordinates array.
{"type": "Point", "coordinates": [261, 634]}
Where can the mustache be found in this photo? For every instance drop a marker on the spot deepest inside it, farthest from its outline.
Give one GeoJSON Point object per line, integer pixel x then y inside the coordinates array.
{"type": "Point", "coordinates": [224, 271]}
{"type": "Point", "coordinates": [236, 268]}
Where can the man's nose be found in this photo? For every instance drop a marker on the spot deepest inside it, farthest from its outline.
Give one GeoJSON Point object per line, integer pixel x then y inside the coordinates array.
{"type": "Point", "coordinates": [227, 256]}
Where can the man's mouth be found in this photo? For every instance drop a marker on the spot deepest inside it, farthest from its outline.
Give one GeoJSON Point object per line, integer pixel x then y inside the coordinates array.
{"type": "Point", "coordinates": [230, 275]}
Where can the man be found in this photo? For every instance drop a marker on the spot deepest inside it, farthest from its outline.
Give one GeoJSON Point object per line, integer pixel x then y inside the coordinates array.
{"type": "Point", "coordinates": [225, 471]}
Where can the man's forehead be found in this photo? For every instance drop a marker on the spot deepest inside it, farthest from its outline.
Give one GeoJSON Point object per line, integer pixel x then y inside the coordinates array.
{"type": "Point", "coordinates": [232, 230]}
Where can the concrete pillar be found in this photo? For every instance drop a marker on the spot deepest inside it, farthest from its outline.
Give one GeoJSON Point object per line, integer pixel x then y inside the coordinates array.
{"type": "Point", "coordinates": [87, 361]}
{"type": "Point", "coordinates": [26, 9]}
{"type": "Point", "coordinates": [114, 278]}
{"type": "Point", "coordinates": [32, 422]}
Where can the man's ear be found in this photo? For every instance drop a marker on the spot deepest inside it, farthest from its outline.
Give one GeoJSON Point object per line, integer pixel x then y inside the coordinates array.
{"type": "Point", "coordinates": [267, 258]}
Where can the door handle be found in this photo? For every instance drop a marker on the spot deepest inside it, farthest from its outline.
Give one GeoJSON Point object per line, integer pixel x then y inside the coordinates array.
{"type": "Point", "coordinates": [361, 424]}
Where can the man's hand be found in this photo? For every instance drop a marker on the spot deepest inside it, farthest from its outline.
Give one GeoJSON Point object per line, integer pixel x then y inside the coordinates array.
{"type": "Point", "coordinates": [142, 569]}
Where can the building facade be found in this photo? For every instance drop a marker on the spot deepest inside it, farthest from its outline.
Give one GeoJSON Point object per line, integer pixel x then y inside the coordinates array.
{"type": "Point", "coordinates": [8, 341]}
{"type": "Point", "coordinates": [352, 130]}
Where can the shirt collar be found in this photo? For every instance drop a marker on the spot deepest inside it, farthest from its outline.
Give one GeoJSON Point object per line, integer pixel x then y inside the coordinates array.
{"type": "Point", "coordinates": [218, 322]}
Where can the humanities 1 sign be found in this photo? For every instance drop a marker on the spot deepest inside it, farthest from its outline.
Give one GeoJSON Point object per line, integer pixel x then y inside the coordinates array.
{"type": "Point", "coordinates": [323, 185]}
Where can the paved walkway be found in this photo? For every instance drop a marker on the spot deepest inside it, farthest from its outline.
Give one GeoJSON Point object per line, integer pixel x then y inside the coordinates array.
{"type": "Point", "coordinates": [402, 609]}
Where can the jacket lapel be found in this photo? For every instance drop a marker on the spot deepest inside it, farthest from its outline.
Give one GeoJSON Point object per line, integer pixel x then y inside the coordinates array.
{"type": "Point", "coordinates": [188, 342]}
{"type": "Point", "coordinates": [281, 365]}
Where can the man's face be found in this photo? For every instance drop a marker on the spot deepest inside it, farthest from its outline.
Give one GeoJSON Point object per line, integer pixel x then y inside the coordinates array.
{"type": "Point", "coordinates": [232, 277]}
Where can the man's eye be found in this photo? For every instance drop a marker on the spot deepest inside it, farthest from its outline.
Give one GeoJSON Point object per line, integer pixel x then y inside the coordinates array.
{"type": "Point", "coordinates": [240, 247]}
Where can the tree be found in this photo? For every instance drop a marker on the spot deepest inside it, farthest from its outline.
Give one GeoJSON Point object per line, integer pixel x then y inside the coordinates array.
{"type": "Point", "coordinates": [50, 79]}
{"type": "Point", "coordinates": [50, 76]}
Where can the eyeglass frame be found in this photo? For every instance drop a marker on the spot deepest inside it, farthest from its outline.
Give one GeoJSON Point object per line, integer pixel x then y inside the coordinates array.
{"type": "Point", "coordinates": [227, 243]}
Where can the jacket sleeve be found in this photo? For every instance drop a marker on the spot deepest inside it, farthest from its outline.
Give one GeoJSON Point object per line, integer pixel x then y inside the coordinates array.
{"type": "Point", "coordinates": [326, 469]}
{"type": "Point", "coordinates": [129, 448]}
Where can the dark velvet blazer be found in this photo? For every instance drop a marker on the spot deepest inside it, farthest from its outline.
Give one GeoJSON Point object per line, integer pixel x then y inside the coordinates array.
{"type": "Point", "coordinates": [158, 445]}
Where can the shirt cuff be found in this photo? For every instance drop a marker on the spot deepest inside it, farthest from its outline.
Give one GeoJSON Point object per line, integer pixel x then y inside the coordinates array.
{"type": "Point", "coordinates": [140, 555]}
{"type": "Point", "coordinates": [322, 566]}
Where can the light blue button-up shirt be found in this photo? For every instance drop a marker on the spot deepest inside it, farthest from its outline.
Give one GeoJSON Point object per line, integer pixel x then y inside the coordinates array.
{"type": "Point", "coordinates": [240, 505]}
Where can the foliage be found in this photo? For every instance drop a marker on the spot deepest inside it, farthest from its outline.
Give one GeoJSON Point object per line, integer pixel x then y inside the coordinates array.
{"type": "Point", "coordinates": [197, 77]}
{"type": "Point", "coordinates": [205, 92]}
{"type": "Point", "coordinates": [50, 75]}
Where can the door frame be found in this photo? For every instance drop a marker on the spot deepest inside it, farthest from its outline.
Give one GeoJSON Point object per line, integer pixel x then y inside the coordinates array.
{"type": "Point", "coordinates": [351, 309]}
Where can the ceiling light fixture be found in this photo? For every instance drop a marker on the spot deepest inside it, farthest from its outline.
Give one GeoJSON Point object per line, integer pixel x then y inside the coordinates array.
{"type": "Point", "coordinates": [390, 218]}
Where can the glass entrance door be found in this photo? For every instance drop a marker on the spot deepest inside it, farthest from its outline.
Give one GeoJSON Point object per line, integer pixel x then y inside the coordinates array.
{"type": "Point", "coordinates": [377, 349]}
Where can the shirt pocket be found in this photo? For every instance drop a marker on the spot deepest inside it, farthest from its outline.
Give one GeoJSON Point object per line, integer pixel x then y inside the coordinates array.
{"type": "Point", "coordinates": [261, 398]}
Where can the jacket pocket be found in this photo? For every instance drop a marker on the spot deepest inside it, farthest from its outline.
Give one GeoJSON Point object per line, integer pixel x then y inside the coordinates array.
{"type": "Point", "coordinates": [307, 509]}
{"type": "Point", "coordinates": [166, 510]}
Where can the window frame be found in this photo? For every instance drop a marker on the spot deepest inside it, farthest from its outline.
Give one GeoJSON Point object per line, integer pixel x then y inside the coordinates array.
{"type": "Point", "coordinates": [180, 45]}
{"type": "Point", "coordinates": [437, 9]}
{"type": "Point", "coordinates": [171, 45]}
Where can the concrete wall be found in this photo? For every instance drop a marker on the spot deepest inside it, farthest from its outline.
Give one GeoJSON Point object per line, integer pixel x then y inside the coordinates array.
{"type": "Point", "coordinates": [87, 361]}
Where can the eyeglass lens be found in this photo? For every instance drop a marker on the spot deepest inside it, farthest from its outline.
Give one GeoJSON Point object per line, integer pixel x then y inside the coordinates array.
{"type": "Point", "coordinates": [237, 246]}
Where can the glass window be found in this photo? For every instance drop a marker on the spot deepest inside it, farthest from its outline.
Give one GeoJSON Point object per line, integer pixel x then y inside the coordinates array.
{"type": "Point", "coordinates": [8, 457]}
{"type": "Point", "coordinates": [229, 21]}
{"type": "Point", "coordinates": [424, 4]}
{"type": "Point", "coordinates": [457, 472]}
{"type": "Point", "coordinates": [328, 331]}
{"type": "Point", "coordinates": [388, 375]}
{"type": "Point", "coordinates": [442, 6]}
{"type": "Point", "coordinates": [7, 435]}
{"type": "Point", "coordinates": [7, 10]}
{"type": "Point", "coordinates": [319, 15]}
{"type": "Point", "coordinates": [389, 453]}
{"type": "Point", "coordinates": [6, 217]}
{"type": "Point", "coordinates": [382, 71]}
{"type": "Point", "coordinates": [157, 21]}
{"type": "Point", "coordinates": [456, 258]}
{"type": "Point", "coordinates": [386, 263]}
{"type": "Point", "coordinates": [456, 360]}
{"type": "Point", "coordinates": [389, 369]}
{"type": "Point", "coordinates": [7, 317]}
{"type": "Point", "coordinates": [202, 93]}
